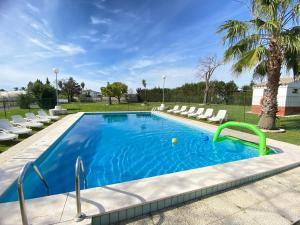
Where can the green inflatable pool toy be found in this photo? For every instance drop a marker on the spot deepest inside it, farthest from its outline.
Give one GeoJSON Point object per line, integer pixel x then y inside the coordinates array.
{"type": "Point", "coordinates": [262, 137]}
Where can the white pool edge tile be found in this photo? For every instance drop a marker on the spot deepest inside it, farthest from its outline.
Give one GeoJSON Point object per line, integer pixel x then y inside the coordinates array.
{"type": "Point", "coordinates": [157, 192]}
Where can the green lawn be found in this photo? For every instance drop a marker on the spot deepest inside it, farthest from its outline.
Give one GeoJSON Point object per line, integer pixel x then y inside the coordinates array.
{"type": "Point", "coordinates": [291, 124]}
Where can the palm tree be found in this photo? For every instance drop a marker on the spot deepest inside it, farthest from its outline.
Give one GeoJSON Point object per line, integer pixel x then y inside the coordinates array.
{"type": "Point", "coordinates": [82, 85]}
{"type": "Point", "coordinates": [267, 43]}
{"type": "Point", "coordinates": [144, 83]}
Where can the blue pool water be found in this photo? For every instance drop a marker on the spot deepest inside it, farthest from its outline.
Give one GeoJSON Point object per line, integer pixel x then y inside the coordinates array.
{"type": "Point", "coordinates": [121, 147]}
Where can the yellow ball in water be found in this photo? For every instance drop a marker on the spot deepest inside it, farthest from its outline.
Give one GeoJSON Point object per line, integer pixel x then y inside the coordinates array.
{"type": "Point", "coordinates": [174, 140]}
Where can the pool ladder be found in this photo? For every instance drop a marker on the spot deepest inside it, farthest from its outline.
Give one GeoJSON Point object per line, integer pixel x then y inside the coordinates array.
{"type": "Point", "coordinates": [79, 168]}
{"type": "Point", "coordinates": [21, 191]}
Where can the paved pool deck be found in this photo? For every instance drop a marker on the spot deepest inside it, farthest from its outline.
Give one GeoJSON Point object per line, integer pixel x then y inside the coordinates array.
{"type": "Point", "coordinates": [105, 204]}
{"type": "Point", "coordinates": [270, 201]}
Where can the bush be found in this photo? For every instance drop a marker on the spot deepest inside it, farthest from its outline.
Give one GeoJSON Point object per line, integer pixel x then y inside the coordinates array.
{"type": "Point", "coordinates": [48, 98]}
{"type": "Point", "coordinates": [44, 94]}
{"type": "Point", "coordinates": [24, 101]}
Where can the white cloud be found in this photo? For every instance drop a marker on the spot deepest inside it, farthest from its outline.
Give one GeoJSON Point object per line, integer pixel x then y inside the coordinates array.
{"type": "Point", "coordinates": [96, 20]}
{"type": "Point", "coordinates": [99, 5]}
{"type": "Point", "coordinates": [85, 64]}
{"type": "Point", "coordinates": [71, 49]}
{"type": "Point", "coordinates": [41, 27]}
{"type": "Point", "coordinates": [33, 8]}
{"type": "Point", "coordinates": [40, 44]}
{"type": "Point", "coordinates": [90, 38]}
{"type": "Point", "coordinates": [92, 32]}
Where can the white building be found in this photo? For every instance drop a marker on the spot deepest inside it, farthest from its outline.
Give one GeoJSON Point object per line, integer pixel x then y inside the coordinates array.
{"type": "Point", "coordinates": [91, 95]}
{"type": "Point", "coordinates": [10, 95]}
{"type": "Point", "coordinates": [288, 97]}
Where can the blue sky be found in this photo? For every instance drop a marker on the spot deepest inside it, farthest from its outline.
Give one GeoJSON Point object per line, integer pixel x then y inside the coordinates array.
{"type": "Point", "coordinates": [112, 40]}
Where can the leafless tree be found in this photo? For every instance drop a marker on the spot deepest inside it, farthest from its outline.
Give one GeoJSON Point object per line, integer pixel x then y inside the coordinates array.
{"type": "Point", "coordinates": [205, 71]}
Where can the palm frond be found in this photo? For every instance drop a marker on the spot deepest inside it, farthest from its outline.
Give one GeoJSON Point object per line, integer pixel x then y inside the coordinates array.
{"type": "Point", "coordinates": [246, 44]}
{"type": "Point", "coordinates": [234, 30]}
{"type": "Point", "coordinates": [290, 39]}
{"type": "Point", "coordinates": [260, 70]}
{"type": "Point", "coordinates": [250, 59]}
{"type": "Point", "coordinates": [269, 25]}
{"type": "Point", "coordinates": [292, 60]}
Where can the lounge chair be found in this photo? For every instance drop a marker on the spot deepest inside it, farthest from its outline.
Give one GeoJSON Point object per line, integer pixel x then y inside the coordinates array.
{"type": "Point", "coordinates": [19, 120]}
{"type": "Point", "coordinates": [183, 108]}
{"type": "Point", "coordinates": [176, 107]}
{"type": "Point", "coordinates": [208, 113]}
{"type": "Point", "coordinates": [197, 113]}
{"type": "Point", "coordinates": [6, 136]}
{"type": "Point", "coordinates": [6, 125]}
{"type": "Point", "coordinates": [220, 117]}
{"type": "Point", "coordinates": [34, 118]}
{"type": "Point", "coordinates": [191, 110]}
{"type": "Point", "coordinates": [42, 114]}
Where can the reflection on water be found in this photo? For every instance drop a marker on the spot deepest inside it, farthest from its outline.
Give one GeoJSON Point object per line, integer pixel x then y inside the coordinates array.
{"type": "Point", "coordinates": [111, 118]}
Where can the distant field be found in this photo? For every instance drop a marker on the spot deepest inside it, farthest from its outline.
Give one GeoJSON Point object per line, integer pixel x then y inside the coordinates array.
{"type": "Point", "coordinates": [236, 112]}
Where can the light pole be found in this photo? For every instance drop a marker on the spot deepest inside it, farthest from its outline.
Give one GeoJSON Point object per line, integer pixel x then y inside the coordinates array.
{"type": "Point", "coordinates": [56, 71]}
{"type": "Point", "coordinates": [163, 97]}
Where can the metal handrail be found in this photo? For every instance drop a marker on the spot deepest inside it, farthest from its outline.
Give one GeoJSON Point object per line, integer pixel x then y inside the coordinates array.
{"type": "Point", "coordinates": [79, 167]}
{"type": "Point", "coordinates": [20, 188]}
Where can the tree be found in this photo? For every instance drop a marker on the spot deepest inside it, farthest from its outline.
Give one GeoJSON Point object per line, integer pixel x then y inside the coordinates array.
{"type": "Point", "coordinates": [217, 91]}
{"type": "Point", "coordinates": [70, 88]}
{"type": "Point", "coordinates": [144, 83]}
{"type": "Point", "coordinates": [44, 94]}
{"type": "Point", "coordinates": [230, 89]}
{"type": "Point", "coordinates": [107, 91]}
{"type": "Point", "coordinates": [82, 85]}
{"type": "Point", "coordinates": [248, 88]}
{"type": "Point", "coordinates": [24, 101]}
{"type": "Point", "coordinates": [206, 69]}
{"type": "Point", "coordinates": [119, 89]}
{"type": "Point", "coordinates": [47, 81]}
{"type": "Point", "coordinates": [268, 41]}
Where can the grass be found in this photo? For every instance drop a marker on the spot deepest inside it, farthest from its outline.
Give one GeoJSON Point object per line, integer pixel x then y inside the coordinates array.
{"type": "Point", "coordinates": [291, 124]}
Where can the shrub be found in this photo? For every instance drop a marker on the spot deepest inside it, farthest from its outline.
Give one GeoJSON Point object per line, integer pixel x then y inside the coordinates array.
{"type": "Point", "coordinates": [24, 101]}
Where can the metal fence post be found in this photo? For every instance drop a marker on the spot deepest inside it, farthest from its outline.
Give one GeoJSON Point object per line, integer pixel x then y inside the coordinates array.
{"type": "Point", "coordinates": [4, 108]}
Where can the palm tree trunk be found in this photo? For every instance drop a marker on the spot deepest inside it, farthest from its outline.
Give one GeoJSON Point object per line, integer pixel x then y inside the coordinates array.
{"type": "Point", "coordinates": [269, 107]}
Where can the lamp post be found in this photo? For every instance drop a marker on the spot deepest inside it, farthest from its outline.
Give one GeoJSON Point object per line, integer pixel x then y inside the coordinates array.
{"type": "Point", "coordinates": [163, 97]}
{"type": "Point", "coordinates": [56, 71]}
{"type": "Point", "coordinates": [244, 102]}
{"type": "Point", "coordinates": [164, 78]}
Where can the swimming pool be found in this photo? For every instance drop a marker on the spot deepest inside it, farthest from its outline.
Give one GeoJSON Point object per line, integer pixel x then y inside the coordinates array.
{"type": "Point", "coordinates": [119, 147]}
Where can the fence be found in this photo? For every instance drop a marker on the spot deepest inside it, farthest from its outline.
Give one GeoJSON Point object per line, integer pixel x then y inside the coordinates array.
{"type": "Point", "coordinates": [234, 98]}
{"type": "Point", "coordinates": [238, 104]}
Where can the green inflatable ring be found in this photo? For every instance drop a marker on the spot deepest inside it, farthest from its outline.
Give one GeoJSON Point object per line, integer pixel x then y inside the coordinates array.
{"type": "Point", "coordinates": [262, 137]}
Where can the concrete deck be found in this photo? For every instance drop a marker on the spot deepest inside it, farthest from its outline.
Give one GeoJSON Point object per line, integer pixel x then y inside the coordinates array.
{"type": "Point", "coordinates": [133, 197]}
{"type": "Point", "coordinates": [271, 201]}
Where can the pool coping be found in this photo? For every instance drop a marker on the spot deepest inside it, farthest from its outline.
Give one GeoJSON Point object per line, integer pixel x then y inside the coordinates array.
{"type": "Point", "coordinates": [113, 203]}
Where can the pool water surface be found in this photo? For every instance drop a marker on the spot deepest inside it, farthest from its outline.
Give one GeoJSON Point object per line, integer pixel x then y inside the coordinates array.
{"type": "Point", "coordinates": [119, 147]}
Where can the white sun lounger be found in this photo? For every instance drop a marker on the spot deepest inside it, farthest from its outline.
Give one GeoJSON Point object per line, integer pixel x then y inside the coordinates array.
{"type": "Point", "coordinates": [176, 107]}
{"type": "Point", "coordinates": [34, 118]}
{"type": "Point", "coordinates": [19, 120]}
{"type": "Point", "coordinates": [220, 117]}
{"type": "Point", "coordinates": [198, 113]}
{"type": "Point", "coordinates": [208, 113]}
{"type": "Point", "coordinates": [191, 110]}
{"type": "Point", "coordinates": [42, 114]}
{"type": "Point", "coordinates": [183, 108]}
{"type": "Point", "coordinates": [6, 136]}
{"type": "Point", "coordinates": [6, 125]}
